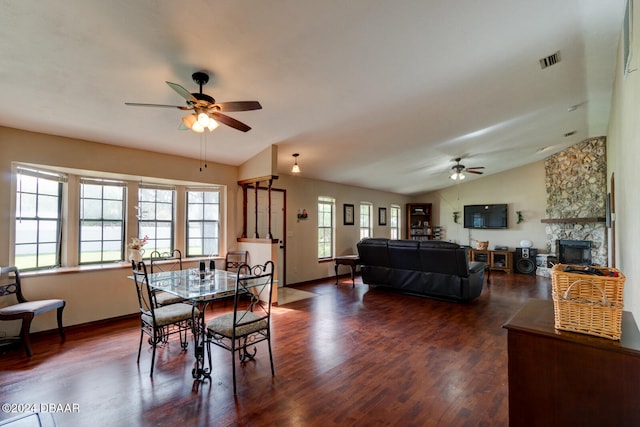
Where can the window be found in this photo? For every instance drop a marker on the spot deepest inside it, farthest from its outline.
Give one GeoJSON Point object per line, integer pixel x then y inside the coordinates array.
{"type": "Point", "coordinates": [38, 219]}
{"type": "Point", "coordinates": [156, 207]}
{"type": "Point", "coordinates": [394, 218]}
{"type": "Point", "coordinates": [203, 223]}
{"type": "Point", "coordinates": [365, 220]}
{"type": "Point", "coordinates": [101, 221]}
{"type": "Point", "coordinates": [325, 227]}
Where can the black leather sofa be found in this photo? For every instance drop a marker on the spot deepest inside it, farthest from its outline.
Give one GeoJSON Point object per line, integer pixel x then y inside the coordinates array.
{"type": "Point", "coordinates": [431, 268]}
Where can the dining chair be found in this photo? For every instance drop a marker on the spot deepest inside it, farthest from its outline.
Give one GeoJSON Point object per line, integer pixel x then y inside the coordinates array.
{"type": "Point", "coordinates": [166, 261]}
{"type": "Point", "coordinates": [158, 322]}
{"type": "Point", "coordinates": [250, 321]}
{"type": "Point", "coordinates": [235, 259]}
{"type": "Point", "coordinates": [19, 308]}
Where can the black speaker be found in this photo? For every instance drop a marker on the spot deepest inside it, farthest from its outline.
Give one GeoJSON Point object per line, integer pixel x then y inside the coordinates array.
{"type": "Point", "coordinates": [525, 260]}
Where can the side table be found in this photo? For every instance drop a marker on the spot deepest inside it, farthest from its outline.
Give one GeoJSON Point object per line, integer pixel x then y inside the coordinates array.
{"type": "Point", "coordinates": [352, 261]}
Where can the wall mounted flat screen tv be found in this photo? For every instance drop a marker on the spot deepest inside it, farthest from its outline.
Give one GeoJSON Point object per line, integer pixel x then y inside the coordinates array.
{"type": "Point", "coordinates": [485, 216]}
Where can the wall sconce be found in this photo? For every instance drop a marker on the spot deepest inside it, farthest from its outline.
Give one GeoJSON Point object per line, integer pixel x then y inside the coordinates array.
{"type": "Point", "coordinates": [295, 168]}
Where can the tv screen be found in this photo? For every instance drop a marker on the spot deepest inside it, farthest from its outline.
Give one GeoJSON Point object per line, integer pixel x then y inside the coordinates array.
{"type": "Point", "coordinates": [485, 216]}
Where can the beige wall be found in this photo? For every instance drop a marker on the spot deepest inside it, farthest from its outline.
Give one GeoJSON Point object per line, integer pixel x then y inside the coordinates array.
{"type": "Point", "coordinates": [302, 258]}
{"type": "Point", "coordinates": [522, 189]}
{"type": "Point", "coordinates": [623, 154]}
{"type": "Point", "coordinates": [105, 292]}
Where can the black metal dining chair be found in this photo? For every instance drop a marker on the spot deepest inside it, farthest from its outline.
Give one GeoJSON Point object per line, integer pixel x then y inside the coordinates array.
{"type": "Point", "coordinates": [159, 322]}
{"type": "Point", "coordinates": [22, 309]}
{"type": "Point", "coordinates": [166, 261]}
{"type": "Point", "coordinates": [250, 321]}
{"type": "Point", "coordinates": [234, 259]}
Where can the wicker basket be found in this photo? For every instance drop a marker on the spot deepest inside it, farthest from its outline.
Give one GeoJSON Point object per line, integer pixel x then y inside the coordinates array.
{"type": "Point", "coordinates": [588, 304]}
{"type": "Point", "coordinates": [482, 246]}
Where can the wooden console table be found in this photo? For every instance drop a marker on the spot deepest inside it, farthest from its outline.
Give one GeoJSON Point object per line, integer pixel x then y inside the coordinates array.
{"type": "Point", "coordinates": [350, 260]}
{"type": "Point", "coordinates": [496, 260]}
{"type": "Point", "coordinates": [559, 378]}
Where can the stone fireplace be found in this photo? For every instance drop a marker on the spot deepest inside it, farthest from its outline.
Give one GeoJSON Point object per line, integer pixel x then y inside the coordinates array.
{"type": "Point", "coordinates": [576, 191]}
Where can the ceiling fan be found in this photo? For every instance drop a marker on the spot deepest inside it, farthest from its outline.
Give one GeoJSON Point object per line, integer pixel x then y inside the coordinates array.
{"type": "Point", "coordinates": [207, 113]}
{"type": "Point", "coordinates": [458, 170]}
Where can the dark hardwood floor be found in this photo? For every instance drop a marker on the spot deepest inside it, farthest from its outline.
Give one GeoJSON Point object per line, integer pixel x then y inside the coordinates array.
{"type": "Point", "coordinates": [347, 356]}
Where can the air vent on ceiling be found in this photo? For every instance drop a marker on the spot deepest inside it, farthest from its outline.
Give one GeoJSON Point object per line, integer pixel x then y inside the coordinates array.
{"type": "Point", "coordinates": [550, 60]}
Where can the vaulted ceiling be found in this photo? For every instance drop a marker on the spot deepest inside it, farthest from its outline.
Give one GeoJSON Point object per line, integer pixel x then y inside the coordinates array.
{"type": "Point", "coordinates": [371, 93]}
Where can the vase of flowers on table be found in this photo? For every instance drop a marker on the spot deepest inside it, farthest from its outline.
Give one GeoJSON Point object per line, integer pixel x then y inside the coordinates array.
{"type": "Point", "coordinates": [135, 248]}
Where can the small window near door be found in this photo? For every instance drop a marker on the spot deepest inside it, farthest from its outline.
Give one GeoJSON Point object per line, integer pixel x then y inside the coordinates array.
{"type": "Point", "coordinates": [394, 222]}
{"type": "Point", "coordinates": [326, 221]}
{"type": "Point", "coordinates": [365, 220]}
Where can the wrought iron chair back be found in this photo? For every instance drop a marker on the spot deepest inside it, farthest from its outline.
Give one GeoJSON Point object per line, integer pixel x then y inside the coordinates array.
{"type": "Point", "coordinates": [234, 259]}
{"type": "Point", "coordinates": [250, 321]}
{"type": "Point", "coordinates": [172, 260]}
{"type": "Point", "coordinates": [166, 261]}
{"type": "Point", "coordinates": [159, 322]}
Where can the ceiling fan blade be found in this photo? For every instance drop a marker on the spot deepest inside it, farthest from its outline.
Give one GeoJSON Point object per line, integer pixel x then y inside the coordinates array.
{"type": "Point", "coordinates": [477, 167]}
{"type": "Point", "coordinates": [230, 121]}
{"type": "Point", "coordinates": [137, 104]}
{"type": "Point", "coordinates": [239, 106]}
{"type": "Point", "coordinates": [182, 92]}
{"type": "Point", "coordinates": [476, 172]}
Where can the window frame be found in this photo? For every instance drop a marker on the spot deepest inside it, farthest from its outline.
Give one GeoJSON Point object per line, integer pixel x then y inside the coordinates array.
{"type": "Point", "coordinates": [204, 222]}
{"type": "Point", "coordinates": [395, 222]}
{"type": "Point", "coordinates": [58, 219]}
{"type": "Point", "coordinates": [366, 220]}
{"type": "Point", "coordinates": [152, 241]}
{"type": "Point", "coordinates": [81, 219]}
{"type": "Point", "coordinates": [324, 230]}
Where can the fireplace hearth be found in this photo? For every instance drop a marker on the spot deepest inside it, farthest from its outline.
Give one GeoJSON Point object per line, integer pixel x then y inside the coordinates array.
{"type": "Point", "coordinates": [575, 252]}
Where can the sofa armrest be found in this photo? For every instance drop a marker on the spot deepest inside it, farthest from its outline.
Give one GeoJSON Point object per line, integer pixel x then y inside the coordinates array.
{"type": "Point", "coordinates": [476, 266]}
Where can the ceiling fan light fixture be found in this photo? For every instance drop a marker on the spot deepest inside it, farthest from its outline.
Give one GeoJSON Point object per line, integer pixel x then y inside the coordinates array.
{"type": "Point", "coordinates": [295, 168]}
{"type": "Point", "coordinates": [203, 119]}
{"type": "Point", "coordinates": [457, 176]}
{"type": "Point", "coordinates": [212, 124]}
{"type": "Point", "coordinates": [197, 127]}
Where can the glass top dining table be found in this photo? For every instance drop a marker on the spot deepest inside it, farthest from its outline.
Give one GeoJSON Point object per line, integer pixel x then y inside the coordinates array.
{"type": "Point", "coordinates": [201, 287]}
{"type": "Point", "coordinates": [193, 285]}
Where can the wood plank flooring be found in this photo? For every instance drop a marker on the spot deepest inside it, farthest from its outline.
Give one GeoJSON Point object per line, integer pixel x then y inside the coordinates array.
{"type": "Point", "coordinates": [345, 357]}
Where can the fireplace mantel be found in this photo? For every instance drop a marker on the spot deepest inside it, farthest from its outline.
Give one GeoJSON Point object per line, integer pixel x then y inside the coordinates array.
{"type": "Point", "coordinates": [571, 220]}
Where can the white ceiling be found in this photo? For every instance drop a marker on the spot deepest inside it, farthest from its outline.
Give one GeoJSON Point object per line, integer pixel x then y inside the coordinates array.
{"type": "Point", "coordinates": [379, 94]}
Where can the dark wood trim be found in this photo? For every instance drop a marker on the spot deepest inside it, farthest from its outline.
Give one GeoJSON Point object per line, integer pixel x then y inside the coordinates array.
{"type": "Point", "coordinates": [250, 240]}
{"type": "Point", "coordinates": [260, 179]}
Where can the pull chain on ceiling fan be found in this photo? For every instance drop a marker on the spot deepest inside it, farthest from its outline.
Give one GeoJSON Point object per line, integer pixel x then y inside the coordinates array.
{"type": "Point", "coordinates": [459, 170]}
{"type": "Point", "coordinates": [206, 111]}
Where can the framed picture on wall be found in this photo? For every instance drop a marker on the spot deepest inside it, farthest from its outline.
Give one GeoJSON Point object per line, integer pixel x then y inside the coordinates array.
{"type": "Point", "coordinates": [348, 214]}
{"type": "Point", "coordinates": [382, 216]}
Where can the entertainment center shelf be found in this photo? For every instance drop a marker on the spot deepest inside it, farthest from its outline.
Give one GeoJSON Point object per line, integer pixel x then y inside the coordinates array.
{"type": "Point", "coordinates": [419, 226]}
{"type": "Point", "coordinates": [496, 260]}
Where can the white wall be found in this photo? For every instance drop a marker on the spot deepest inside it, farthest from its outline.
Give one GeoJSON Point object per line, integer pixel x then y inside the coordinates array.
{"type": "Point", "coordinates": [523, 189]}
{"type": "Point", "coordinates": [623, 154]}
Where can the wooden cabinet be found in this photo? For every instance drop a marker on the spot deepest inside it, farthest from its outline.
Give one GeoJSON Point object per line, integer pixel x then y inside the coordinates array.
{"type": "Point", "coordinates": [419, 225]}
{"type": "Point", "coordinates": [496, 260]}
{"type": "Point", "coordinates": [559, 378]}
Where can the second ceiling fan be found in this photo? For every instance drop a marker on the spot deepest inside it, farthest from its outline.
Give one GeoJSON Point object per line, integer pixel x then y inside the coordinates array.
{"type": "Point", "coordinates": [459, 170]}
{"type": "Point", "coordinates": [207, 113]}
